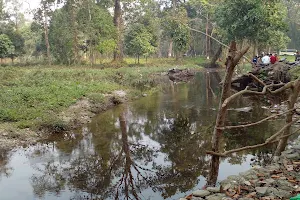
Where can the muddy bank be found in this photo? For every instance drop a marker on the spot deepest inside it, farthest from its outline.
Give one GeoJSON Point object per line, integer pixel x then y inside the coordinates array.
{"type": "Point", "coordinates": [75, 116]}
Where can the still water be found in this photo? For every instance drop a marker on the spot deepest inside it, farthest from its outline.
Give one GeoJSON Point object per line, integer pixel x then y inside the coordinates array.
{"type": "Point", "coordinates": [153, 148]}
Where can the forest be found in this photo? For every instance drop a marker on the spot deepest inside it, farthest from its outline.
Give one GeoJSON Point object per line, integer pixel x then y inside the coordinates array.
{"type": "Point", "coordinates": [72, 32]}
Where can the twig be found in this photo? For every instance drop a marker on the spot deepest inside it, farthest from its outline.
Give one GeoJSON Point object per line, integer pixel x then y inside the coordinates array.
{"type": "Point", "coordinates": [255, 123]}
{"type": "Point", "coordinates": [268, 141]}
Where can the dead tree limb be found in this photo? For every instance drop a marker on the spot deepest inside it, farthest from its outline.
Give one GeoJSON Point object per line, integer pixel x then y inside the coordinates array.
{"type": "Point", "coordinates": [270, 140]}
{"type": "Point", "coordinates": [280, 131]}
{"type": "Point", "coordinates": [231, 62]}
{"type": "Point", "coordinates": [255, 123]}
{"type": "Point", "coordinates": [289, 117]}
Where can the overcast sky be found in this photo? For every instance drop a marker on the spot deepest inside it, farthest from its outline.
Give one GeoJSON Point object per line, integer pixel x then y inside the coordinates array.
{"type": "Point", "coordinates": [33, 4]}
{"type": "Point", "coordinates": [29, 5]}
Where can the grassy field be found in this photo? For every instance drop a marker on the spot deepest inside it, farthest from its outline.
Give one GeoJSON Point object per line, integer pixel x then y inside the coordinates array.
{"type": "Point", "coordinates": [33, 96]}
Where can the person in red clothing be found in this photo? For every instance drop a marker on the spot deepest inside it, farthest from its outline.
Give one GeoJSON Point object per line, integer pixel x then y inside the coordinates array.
{"type": "Point", "coordinates": [273, 59]}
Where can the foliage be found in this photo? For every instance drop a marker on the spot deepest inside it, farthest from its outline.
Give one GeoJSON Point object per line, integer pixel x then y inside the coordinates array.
{"type": "Point", "coordinates": [138, 41]}
{"type": "Point", "coordinates": [97, 26]}
{"type": "Point", "coordinates": [94, 31]}
{"type": "Point", "coordinates": [254, 20]}
{"type": "Point", "coordinates": [5, 46]}
{"type": "Point", "coordinates": [60, 38]}
{"type": "Point", "coordinates": [175, 27]}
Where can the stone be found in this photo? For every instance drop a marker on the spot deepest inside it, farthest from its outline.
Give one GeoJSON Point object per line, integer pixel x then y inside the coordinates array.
{"type": "Point", "coordinates": [261, 190]}
{"type": "Point", "coordinates": [293, 156]}
{"type": "Point", "coordinates": [296, 147]}
{"type": "Point", "coordinates": [269, 181]}
{"type": "Point", "coordinates": [197, 198]}
{"type": "Point", "coordinates": [216, 197]}
{"type": "Point", "coordinates": [226, 198]}
{"type": "Point", "coordinates": [226, 186]}
{"type": "Point", "coordinates": [289, 151]}
{"type": "Point", "coordinates": [236, 179]}
{"type": "Point", "coordinates": [247, 183]}
{"type": "Point", "coordinates": [213, 189]}
{"type": "Point", "coordinates": [246, 199]}
{"type": "Point", "coordinates": [284, 185]}
{"type": "Point", "coordinates": [249, 175]}
{"type": "Point", "coordinates": [182, 199]}
{"type": "Point", "coordinates": [278, 192]}
{"type": "Point", "coordinates": [201, 193]}
{"type": "Point", "coordinates": [4, 134]}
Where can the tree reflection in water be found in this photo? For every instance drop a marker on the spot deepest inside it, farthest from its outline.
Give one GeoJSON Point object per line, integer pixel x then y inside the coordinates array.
{"type": "Point", "coordinates": [158, 143]}
{"type": "Point", "coordinates": [121, 175]}
{"type": "Point", "coordinates": [4, 159]}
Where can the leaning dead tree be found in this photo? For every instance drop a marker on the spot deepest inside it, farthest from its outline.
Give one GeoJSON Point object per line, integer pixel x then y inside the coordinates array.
{"type": "Point", "coordinates": [274, 88]}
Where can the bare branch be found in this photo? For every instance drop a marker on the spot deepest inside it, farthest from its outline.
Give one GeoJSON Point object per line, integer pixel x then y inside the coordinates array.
{"type": "Point", "coordinates": [270, 140]}
{"type": "Point", "coordinates": [280, 131]}
{"type": "Point", "coordinates": [255, 123]}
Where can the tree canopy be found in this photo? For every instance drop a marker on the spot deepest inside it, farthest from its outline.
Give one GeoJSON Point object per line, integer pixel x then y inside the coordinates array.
{"type": "Point", "coordinates": [73, 31]}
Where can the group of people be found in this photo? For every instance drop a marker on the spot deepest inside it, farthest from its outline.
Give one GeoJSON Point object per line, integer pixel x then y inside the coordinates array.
{"type": "Point", "coordinates": [265, 59]}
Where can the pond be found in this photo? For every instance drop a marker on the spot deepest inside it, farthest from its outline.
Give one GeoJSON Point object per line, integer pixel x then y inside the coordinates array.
{"type": "Point", "coordinates": [152, 148]}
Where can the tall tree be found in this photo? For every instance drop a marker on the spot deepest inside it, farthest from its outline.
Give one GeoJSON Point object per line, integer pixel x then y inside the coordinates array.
{"type": "Point", "coordinates": [42, 16]}
{"type": "Point", "coordinates": [252, 20]}
{"type": "Point", "coordinates": [175, 27]}
{"type": "Point", "coordinates": [118, 54]}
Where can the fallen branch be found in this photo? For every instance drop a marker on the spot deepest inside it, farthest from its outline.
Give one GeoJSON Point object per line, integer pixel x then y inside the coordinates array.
{"type": "Point", "coordinates": [268, 141]}
{"type": "Point", "coordinates": [255, 123]}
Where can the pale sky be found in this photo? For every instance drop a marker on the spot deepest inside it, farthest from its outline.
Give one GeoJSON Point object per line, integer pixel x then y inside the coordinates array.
{"type": "Point", "coordinates": [32, 3]}
{"type": "Point", "coordinates": [28, 6]}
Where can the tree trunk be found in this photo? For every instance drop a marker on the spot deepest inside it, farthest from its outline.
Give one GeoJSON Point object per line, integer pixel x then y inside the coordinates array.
{"type": "Point", "coordinates": [118, 53]}
{"type": "Point", "coordinates": [215, 57]}
{"type": "Point", "coordinates": [75, 34]}
{"type": "Point", "coordinates": [170, 50]}
{"type": "Point", "coordinates": [255, 51]}
{"type": "Point", "coordinates": [46, 34]}
{"type": "Point", "coordinates": [231, 62]}
{"type": "Point", "coordinates": [289, 117]}
{"type": "Point", "coordinates": [206, 38]}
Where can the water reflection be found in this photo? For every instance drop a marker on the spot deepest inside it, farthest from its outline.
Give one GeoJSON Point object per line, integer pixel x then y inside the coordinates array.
{"type": "Point", "coordinates": [150, 149]}
{"type": "Point", "coordinates": [4, 160]}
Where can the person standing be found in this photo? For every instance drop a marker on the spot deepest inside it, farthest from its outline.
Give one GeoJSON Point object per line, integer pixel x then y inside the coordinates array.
{"type": "Point", "coordinates": [273, 59]}
{"type": "Point", "coordinates": [266, 59]}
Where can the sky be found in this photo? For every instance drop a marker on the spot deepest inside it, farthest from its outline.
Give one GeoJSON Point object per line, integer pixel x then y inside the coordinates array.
{"type": "Point", "coordinates": [33, 4]}
{"type": "Point", "coordinates": [29, 5]}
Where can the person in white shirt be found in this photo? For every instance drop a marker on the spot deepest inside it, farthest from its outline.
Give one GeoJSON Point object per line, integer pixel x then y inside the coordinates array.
{"type": "Point", "coordinates": [266, 60]}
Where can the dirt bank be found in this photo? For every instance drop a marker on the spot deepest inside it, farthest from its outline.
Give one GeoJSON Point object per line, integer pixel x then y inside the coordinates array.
{"type": "Point", "coordinates": [73, 117]}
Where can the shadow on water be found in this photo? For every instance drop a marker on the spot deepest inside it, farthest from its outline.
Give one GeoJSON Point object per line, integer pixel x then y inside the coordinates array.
{"type": "Point", "coordinates": [153, 148]}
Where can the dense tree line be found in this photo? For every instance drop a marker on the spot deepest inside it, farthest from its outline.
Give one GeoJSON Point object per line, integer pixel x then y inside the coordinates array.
{"type": "Point", "coordinates": [72, 31]}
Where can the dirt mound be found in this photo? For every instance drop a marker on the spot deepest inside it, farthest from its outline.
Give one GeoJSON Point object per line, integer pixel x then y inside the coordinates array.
{"type": "Point", "coordinates": [180, 75]}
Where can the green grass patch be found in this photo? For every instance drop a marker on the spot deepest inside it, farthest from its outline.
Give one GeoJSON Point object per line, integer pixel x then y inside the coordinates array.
{"type": "Point", "coordinates": [33, 96]}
